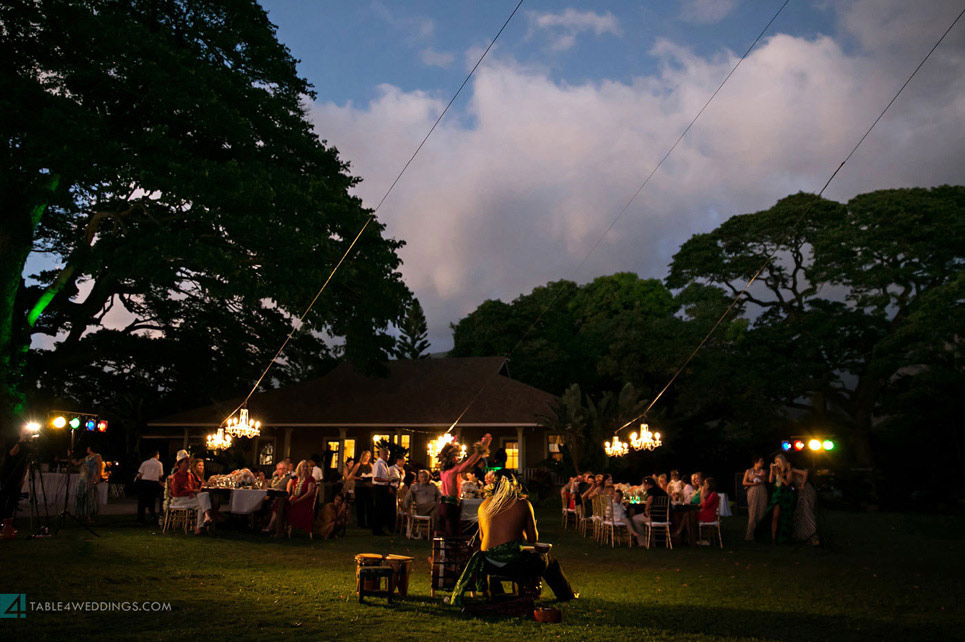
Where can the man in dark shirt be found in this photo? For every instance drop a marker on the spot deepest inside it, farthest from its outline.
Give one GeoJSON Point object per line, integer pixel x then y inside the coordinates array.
{"type": "Point", "coordinates": [12, 471]}
{"type": "Point", "coordinates": [638, 521]}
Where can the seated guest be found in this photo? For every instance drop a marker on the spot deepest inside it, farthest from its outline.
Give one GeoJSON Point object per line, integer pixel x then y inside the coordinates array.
{"type": "Point", "coordinates": [663, 483]}
{"type": "Point", "coordinates": [332, 517]}
{"type": "Point", "coordinates": [470, 487]}
{"type": "Point", "coordinates": [709, 502]}
{"type": "Point", "coordinates": [423, 495]}
{"type": "Point", "coordinates": [696, 482]}
{"type": "Point", "coordinates": [675, 487]}
{"type": "Point", "coordinates": [185, 493]}
{"type": "Point", "coordinates": [617, 508]}
{"type": "Point", "coordinates": [506, 524]}
{"type": "Point", "coordinates": [279, 479]}
{"type": "Point", "coordinates": [638, 521]}
{"type": "Point", "coordinates": [298, 509]}
{"type": "Point", "coordinates": [197, 471]}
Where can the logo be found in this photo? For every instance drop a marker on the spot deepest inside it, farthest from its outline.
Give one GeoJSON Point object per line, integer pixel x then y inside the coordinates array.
{"type": "Point", "coordinates": [13, 606]}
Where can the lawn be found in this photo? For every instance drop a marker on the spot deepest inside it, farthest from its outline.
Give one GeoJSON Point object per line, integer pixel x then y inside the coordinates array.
{"type": "Point", "coordinates": [883, 577]}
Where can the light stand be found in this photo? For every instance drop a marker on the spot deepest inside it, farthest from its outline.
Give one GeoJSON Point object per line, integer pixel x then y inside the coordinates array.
{"type": "Point", "coordinates": [62, 520]}
{"type": "Point", "coordinates": [32, 474]}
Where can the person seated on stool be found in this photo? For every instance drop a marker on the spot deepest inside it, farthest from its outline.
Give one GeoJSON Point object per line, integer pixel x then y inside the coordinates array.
{"type": "Point", "coordinates": [506, 526]}
{"type": "Point", "coordinates": [185, 493]}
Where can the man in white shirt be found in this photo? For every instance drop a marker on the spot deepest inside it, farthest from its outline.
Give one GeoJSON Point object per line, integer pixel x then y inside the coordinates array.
{"type": "Point", "coordinates": [396, 474]}
{"type": "Point", "coordinates": [317, 473]}
{"type": "Point", "coordinates": [148, 482]}
{"type": "Point", "coordinates": [384, 513]}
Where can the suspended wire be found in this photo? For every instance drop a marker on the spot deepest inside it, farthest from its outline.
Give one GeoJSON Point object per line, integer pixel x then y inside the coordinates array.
{"type": "Point", "coordinates": [629, 202]}
{"type": "Point", "coordinates": [375, 211]}
{"type": "Point", "coordinates": [793, 228]}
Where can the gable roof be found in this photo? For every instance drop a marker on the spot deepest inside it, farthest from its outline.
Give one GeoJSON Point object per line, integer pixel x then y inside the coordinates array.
{"type": "Point", "coordinates": [422, 392]}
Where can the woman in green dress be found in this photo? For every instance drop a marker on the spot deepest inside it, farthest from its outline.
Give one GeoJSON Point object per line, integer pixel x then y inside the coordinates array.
{"type": "Point", "coordinates": [91, 474]}
{"type": "Point", "coordinates": [777, 523]}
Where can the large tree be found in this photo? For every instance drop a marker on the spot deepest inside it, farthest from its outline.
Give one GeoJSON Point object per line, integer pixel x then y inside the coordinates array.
{"type": "Point", "coordinates": [157, 155]}
{"type": "Point", "coordinates": [840, 313]}
{"type": "Point", "coordinates": [413, 341]}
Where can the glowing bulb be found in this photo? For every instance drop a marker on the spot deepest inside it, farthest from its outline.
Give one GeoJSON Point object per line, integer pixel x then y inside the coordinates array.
{"type": "Point", "coordinates": [814, 444]}
{"type": "Point", "coordinates": [32, 426]}
{"type": "Point", "coordinates": [829, 445]}
{"type": "Point", "coordinates": [785, 446]}
{"type": "Point", "coordinates": [75, 423]}
{"type": "Point", "coordinates": [798, 445]}
{"type": "Point", "coordinates": [60, 422]}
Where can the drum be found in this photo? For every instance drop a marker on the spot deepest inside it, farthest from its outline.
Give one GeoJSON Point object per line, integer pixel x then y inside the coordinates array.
{"type": "Point", "coordinates": [449, 557]}
{"type": "Point", "coordinates": [401, 569]}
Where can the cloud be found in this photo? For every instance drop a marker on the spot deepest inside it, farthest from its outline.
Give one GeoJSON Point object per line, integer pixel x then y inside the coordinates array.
{"type": "Point", "coordinates": [414, 28]}
{"type": "Point", "coordinates": [563, 28]}
{"type": "Point", "coordinates": [515, 191]}
{"type": "Point", "coordinates": [706, 11]}
{"type": "Point", "coordinates": [432, 58]}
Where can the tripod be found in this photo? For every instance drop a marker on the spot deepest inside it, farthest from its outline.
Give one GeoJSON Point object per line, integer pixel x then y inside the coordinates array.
{"type": "Point", "coordinates": [42, 529]}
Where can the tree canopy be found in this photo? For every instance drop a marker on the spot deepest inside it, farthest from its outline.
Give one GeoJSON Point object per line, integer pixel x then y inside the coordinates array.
{"type": "Point", "coordinates": [413, 341]}
{"type": "Point", "coordinates": [159, 157]}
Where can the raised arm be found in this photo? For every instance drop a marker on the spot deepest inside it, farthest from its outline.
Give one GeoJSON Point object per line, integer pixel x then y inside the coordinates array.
{"type": "Point", "coordinates": [747, 474]}
{"type": "Point", "coordinates": [532, 535]}
{"type": "Point", "coordinates": [470, 461]}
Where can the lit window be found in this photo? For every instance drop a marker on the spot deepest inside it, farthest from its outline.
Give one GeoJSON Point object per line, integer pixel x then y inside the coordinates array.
{"type": "Point", "coordinates": [403, 440]}
{"type": "Point", "coordinates": [266, 457]}
{"type": "Point", "coordinates": [377, 438]}
{"type": "Point", "coordinates": [512, 455]}
{"type": "Point", "coordinates": [553, 443]}
{"type": "Point", "coordinates": [333, 446]}
{"type": "Point", "coordinates": [349, 450]}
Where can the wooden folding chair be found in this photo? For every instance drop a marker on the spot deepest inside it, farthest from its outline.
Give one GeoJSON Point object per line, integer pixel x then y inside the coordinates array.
{"type": "Point", "coordinates": [659, 521]}
{"type": "Point", "coordinates": [714, 525]}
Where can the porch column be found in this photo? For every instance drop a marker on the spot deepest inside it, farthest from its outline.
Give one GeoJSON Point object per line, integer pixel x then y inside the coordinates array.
{"type": "Point", "coordinates": [342, 436]}
{"type": "Point", "coordinates": [288, 443]}
{"type": "Point", "coordinates": [521, 446]}
{"type": "Point", "coordinates": [254, 455]}
{"type": "Point", "coordinates": [184, 443]}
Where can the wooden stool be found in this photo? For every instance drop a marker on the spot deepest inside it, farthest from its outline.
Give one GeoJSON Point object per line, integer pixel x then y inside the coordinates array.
{"type": "Point", "coordinates": [526, 587]}
{"type": "Point", "coordinates": [401, 566]}
{"type": "Point", "coordinates": [449, 557]}
{"type": "Point", "coordinates": [369, 575]}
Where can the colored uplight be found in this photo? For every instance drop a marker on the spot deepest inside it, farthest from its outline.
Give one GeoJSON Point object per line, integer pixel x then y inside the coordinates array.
{"type": "Point", "coordinates": [91, 424]}
{"type": "Point", "coordinates": [798, 445]}
{"type": "Point", "coordinates": [828, 445]}
{"type": "Point", "coordinates": [814, 444]}
{"type": "Point", "coordinates": [785, 446]}
{"type": "Point", "coordinates": [75, 423]}
{"type": "Point", "coordinates": [102, 426]}
{"type": "Point", "coordinates": [59, 422]}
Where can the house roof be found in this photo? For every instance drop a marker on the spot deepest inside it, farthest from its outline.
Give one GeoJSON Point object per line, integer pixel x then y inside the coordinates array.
{"type": "Point", "coordinates": [422, 392]}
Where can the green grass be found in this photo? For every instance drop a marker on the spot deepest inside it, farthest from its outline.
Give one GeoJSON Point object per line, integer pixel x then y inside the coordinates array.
{"type": "Point", "coordinates": [886, 577]}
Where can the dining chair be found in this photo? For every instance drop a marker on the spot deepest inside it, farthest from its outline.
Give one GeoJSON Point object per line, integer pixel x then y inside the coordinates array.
{"type": "Point", "coordinates": [714, 525]}
{"type": "Point", "coordinates": [659, 521]}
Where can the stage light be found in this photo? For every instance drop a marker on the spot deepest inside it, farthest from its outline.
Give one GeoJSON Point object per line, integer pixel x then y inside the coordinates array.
{"type": "Point", "coordinates": [814, 444]}
{"type": "Point", "coordinates": [101, 426]}
{"type": "Point", "coordinates": [32, 427]}
{"type": "Point", "coordinates": [798, 445]}
{"type": "Point", "coordinates": [91, 424]}
{"type": "Point", "coordinates": [785, 446]}
{"type": "Point", "coordinates": [59, 421]}
{"type": "Point", "coordinates": [828, 445]}
{"type": "Point", "coordinates": [75, 423]}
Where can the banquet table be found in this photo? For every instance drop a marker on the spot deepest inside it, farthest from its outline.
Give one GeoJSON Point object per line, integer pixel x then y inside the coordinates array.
{"type": "Point", "coordinates": [470, 510]}
{"type": "Point", "coordinates": [53, 489]}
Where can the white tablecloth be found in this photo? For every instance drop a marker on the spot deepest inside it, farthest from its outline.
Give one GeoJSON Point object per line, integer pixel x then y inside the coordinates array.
{"type": "Point", "coordinates": [724, 505]}
{"type": "Point", "coordinates": [53, 487]}
{"type": "Point", "coordinates": [470, 510]}
{"type": "Point", "coordinates": [246, 500]}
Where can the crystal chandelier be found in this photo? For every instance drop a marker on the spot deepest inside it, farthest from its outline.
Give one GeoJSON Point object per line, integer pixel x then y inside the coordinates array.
{"type": "Point", "coordinates": [646, 440]}
{"type": "Point", "coordinates": [243, 426]}
{"type": "Point", "coordinates": [218, 440]}
{"type": "Point", "coordinates": [616, 448]}
{"type": "Point", "coordinates": [437, 444]}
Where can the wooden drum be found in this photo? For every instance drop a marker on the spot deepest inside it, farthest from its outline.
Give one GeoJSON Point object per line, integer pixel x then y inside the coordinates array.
{"type": "Point", "coordinates": [401, 568]}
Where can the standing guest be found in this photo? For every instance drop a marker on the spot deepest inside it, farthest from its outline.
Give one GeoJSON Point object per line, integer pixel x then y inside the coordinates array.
{"type": "Point", "coordinates": [186, 494]}
{"type": "Point", "coordinates": [755, 483]}
{"type": "Point", "coordinates": [506, 524]}
{"type": "Point", "coordinates": [91, 474]}
{"type": "Point", "coordinates": [348, 478]}
{"type": "Point", "coordinates": [383, 514]}
{"type": "Point", "coordinates": [279, 479]}
{"type": "Point", "coordinates": [13, 469]}
{"type": "Point", "coordinates": [363, 490]}
{"type": "Point", "coordinates": [396, 474]}
{"type": "Point", "coordinates": [638, 521]}
{"type": "Point", "coordinates": [568, 492]}
{"type": "Point", "coordinates": [317, 473]}
{"type": "Point", "coordinates": [805, 527]}
{"type": "Point", "coordinates": [148, 483]}
{"type": "Point", "coordinates": [289, 467]}
{"type": "Point", "coordinates": [776, 525]}
{"type": "Point", "coordinates": [298, 509]}
{"type": "Point", "coordinates": [423, 495]}
{"type": "Point", "coordinates": [448, 513]}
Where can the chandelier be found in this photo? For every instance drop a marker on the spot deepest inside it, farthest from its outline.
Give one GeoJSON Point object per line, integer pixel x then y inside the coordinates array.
{"type": "Point", "coordinates": [218, 440]}
{"type": "Point", "coordinates": [616, 448]}
{"type": "Point", "coordinates": [243, 426]}
{"type": "Point", "coordinates": [437, 444]}
{"type": "Point", "coordinates": [646, 440]}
